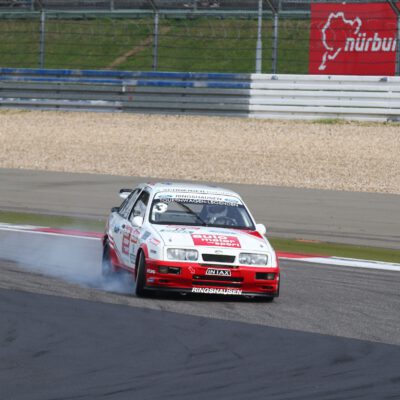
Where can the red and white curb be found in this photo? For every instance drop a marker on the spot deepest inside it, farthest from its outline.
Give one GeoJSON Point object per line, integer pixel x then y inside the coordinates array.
{"type": "Point", "coordinates": [307, 258]}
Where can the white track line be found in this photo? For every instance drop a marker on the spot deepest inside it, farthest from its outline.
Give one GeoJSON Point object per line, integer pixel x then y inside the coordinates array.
{"type": "Point", "coordinates": [345, 262]}
{"type": "Point", "coordinates": [23, 230]}
{"type": "Point", "coordinates": [349, 262]}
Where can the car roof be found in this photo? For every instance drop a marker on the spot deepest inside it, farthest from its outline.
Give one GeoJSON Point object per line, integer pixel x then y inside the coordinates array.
{"type": "Point", "coordinates": [190, 188]}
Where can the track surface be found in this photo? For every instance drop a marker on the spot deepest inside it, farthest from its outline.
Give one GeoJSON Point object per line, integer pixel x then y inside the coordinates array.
{"type": "Point", "coordinates": [346, 217]}
{"type": "Point", "coordinates": [66, 334]}
{"type": "Point", "coordinates": [333, 334]}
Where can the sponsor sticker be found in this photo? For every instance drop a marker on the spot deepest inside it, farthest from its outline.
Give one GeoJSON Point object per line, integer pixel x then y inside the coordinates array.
{"type": "Point", "coordinates": [145, 235]}
{"type": "Point", "coordinates": [232, 292]}
{"type": "Point", "coordinates": [218, 272]}
{"type": "Point", "coordinates": [192, 270]}
{"type": "Point", "coordinates": [154, 241]}
{"type": "Point", "coordinates": [215, 240]}
{"type": "Point", "coordinates": [198, 198]}
{"type": "Point", "coordinates": [177, 229]}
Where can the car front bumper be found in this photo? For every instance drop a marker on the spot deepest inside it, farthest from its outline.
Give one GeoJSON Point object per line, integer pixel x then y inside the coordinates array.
{"type": "Point", "coordinates": [212, 279]}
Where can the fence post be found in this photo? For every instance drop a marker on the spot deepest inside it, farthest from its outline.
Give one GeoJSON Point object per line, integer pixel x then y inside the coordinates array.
{"type": "Point", "coordinates": [42, 38]}
{"type": "Point", "coordinates": [275, 24]}
{"type": "Point", "coordinates": [155, 41]}
{"type": "Point", "coordinates": [396, 10]}
{"type": "Point", "coordinates": [398, 46]}
{"type": "Point", "coordinates": [275, 43]}
{"type": "Point", "coordinates": [259, 39]}
{"type": "Point", "coordinates": [112, 5]}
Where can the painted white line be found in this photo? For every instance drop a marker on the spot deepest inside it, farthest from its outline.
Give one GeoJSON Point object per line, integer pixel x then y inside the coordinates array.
{"type": "Point", "coordinates": [23, 227]}
{"type": "Point", "coordinates": [47, 233]}
{"type": "Point", "coordinates": [345, 262]}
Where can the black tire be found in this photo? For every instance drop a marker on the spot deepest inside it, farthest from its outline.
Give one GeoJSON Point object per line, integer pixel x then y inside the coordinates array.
{"type": "Point", "coordinates": [271, 299]}
{"type": "Point", "coordinates": [107, 268]}
{"type": "Point", "coordinates": [140, 290]}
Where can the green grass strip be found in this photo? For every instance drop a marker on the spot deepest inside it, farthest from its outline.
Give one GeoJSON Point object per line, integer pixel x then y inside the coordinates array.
{"type": "Point", "coordinates": [52, 221]}
{"type": "Point", "coordinates": [285, 245]}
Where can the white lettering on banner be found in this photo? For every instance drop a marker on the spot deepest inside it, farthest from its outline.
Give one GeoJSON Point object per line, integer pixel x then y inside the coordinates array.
{"type": "Point", "coordinates": [234, 292]}
{"type": "Point", "coordinates": [356, 42]}
{"type": "Point", "coordinates": [374, 44]}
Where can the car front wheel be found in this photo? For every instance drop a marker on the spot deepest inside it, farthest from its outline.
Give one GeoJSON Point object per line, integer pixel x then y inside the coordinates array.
{"type": "Point", "coordinates": [140, 291]}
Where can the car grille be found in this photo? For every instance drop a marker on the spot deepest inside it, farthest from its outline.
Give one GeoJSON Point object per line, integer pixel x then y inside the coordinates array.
{"type": "Point", "coordinates": [222, 281]}
{"type": "Point", "coordinates": [218, 258]}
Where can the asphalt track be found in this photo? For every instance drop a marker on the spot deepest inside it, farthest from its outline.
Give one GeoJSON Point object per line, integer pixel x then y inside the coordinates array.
{"type": "Point", "coordinates": [66, 334]}
{"type": "Point", "coordinates": [369, 219]}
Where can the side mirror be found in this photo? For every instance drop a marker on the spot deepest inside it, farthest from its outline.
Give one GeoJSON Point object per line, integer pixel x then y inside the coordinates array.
{"type": "Point", "coordinates": [261, 229]}
{"type": "Point", "coordinates": [138, 221]}
{"type": "Point", "coordinates": [124, 193]}
{"type": "Point", "coordinates": [115, 209]}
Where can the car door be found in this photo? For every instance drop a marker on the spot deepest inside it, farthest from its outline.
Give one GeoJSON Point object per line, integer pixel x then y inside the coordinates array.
{"type": "Point", "coordinates": [120, 222]}
{"type": "Point", "coordinates": [132, 233]}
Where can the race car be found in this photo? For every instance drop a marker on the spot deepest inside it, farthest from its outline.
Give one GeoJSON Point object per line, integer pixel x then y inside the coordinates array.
{"type": "Point", "coordinates": [189, 238]}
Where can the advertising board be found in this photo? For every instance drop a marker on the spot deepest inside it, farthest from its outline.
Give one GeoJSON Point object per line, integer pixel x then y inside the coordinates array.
{"type": "Point", "coordinates": [352, 39]}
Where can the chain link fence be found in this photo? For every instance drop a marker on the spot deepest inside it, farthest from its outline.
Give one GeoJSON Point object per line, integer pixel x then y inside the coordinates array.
{"type": "Point", "coordinates": [160, 35]}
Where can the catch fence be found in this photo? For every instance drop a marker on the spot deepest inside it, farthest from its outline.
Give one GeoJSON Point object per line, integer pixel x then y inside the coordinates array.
{"type": "Point", "coordinates": [233, 36]}
{"type": "Point", "coordinates": [262, 36]}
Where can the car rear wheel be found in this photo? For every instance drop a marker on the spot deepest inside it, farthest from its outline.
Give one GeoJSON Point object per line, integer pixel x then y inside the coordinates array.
{"type": "Point", "coordinates": [107, 267]}
{"type": "Point", "coordinates": [140, 290]}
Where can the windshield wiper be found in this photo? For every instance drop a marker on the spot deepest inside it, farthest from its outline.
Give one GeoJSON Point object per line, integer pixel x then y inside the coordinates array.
{"type": "Point", "coordinates": [191, 212]}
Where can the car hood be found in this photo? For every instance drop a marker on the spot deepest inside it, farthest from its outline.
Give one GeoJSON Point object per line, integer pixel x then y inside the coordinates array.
{"type": "Point", "coordinates": [218, 238]}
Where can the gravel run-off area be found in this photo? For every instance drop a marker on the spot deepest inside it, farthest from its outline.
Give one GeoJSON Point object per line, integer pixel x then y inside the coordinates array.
{"type": "Point", "coordinates": [342, 156]}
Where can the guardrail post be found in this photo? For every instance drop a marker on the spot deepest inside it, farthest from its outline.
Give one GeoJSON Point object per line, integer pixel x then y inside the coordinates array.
{"type": "Point", "coordinates": [112, 8]}
{"type": "Point", "coordinates": [259, 39]}
{"type": "Point", "coordinates": [42, 38]}
{"type": "Point", "coordinates": [155, 41]}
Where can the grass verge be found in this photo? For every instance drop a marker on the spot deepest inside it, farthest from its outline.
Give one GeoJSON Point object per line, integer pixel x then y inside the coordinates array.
{"type": "Point", "coordinates": [52, 221]}
{"type": "Point", "coordinates": [286, 245]}
{"type": "Point", "coordinates": [202, 44]}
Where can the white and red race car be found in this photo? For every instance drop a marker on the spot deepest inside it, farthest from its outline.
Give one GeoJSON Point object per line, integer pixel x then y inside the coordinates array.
{"type": "Point", "coordinates": [189, 239]}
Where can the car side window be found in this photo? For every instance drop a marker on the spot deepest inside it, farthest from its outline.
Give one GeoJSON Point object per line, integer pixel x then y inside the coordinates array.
{"type": "Point", "coordinates": [126, 206]}
{"type": "Point", "coordinates": [139, 209]}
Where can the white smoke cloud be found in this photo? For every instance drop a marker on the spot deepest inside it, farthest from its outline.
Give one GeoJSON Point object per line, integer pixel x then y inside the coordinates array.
{"type": "Point", "coordinates": [72, 259]}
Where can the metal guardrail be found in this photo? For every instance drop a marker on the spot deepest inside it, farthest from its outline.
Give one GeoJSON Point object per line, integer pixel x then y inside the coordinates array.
{"type": "Point", "coordinates": [365, 98]}
{"type": "Point", "coordinates": [147, 92]}
{"type": "Point", "coordinates": [248, 95]}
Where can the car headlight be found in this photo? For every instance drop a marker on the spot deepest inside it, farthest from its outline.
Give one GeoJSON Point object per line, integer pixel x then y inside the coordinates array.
{"type": "Point", "coordinates": [253, 259]}
{"type": "Point", "coordinates": [182, 254]}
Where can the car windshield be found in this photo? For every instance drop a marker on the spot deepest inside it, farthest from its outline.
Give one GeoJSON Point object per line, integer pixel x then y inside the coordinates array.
{"type": "Point", "coordinates": [200, 210]}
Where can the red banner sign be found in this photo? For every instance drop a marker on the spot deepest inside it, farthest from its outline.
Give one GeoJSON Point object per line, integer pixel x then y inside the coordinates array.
{"type": "Point", "coordinates": [353, 39]}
